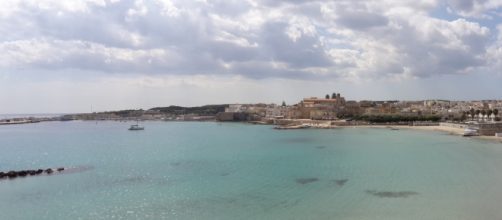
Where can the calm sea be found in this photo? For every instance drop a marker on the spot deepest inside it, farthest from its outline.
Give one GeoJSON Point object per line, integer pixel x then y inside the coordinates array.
{"type": "Point", "coordinates": [185, 170]}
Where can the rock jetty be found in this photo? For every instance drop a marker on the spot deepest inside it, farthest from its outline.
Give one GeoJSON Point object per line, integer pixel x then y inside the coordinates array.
{"type": "Point", "coordinates": [23, 173]}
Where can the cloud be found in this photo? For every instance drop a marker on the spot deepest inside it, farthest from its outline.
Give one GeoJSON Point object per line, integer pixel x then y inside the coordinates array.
{"type": "Point", "coordinates": [476, 8]}
{"type": "Point", "coordinates": [256, 39]}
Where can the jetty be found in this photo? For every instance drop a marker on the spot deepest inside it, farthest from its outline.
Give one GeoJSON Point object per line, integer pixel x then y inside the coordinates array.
{"type": "Point", "coordinates": [18, 121]}
{"type": "Point", "coordinates": [285, 127]}
{"type": "Point", "coordinates": [23, 173]}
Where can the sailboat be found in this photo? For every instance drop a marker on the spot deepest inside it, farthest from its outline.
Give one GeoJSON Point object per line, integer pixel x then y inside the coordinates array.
{"type": "Point", "coordinates": [136, 127]}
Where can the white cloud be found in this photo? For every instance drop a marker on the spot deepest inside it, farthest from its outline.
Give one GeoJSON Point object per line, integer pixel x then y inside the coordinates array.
{"type": "Point", "coordinates": [56, 54]}
{"type": "Point", "coordinates": [314, 40]}
{"type": "Point", "coordinates": [486, 9]}
{"type": "Point", "coordinates": [300, 26]}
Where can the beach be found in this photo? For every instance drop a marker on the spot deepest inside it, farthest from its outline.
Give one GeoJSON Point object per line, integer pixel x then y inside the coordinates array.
{"type": "Point", "coordinates": [450, 130]}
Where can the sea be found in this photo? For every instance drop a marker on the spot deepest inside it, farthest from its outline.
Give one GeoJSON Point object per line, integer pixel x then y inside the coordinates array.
{"type": "Point", "coordinates": [209, 170]}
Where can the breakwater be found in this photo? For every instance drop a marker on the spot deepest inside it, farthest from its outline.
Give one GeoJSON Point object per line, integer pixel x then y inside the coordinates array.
{"type": "Point", "coordinates": [24, 173]}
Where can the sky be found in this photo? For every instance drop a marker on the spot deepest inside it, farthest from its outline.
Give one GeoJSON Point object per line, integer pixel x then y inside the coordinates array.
{"type": "Point", "coordinates": [97, 55]}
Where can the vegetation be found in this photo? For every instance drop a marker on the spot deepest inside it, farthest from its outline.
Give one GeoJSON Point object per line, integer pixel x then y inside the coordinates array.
{"type": "Point", "coordinates": [207, 110]}
{"type": "Point", "coordinates": [397, 118]}
{"type": "Point", "coordinates": [472, 112]}
{"type": "Point", "coordinates": [484, 112]}
{"type": "Point", "coordinates": [462, 117]}
{"type": "Point", "coordinates": [127, 113]}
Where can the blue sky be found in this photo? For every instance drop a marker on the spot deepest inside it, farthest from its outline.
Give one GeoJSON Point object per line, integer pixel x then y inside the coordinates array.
{"type": "Point", "coordinates": [66, 56]}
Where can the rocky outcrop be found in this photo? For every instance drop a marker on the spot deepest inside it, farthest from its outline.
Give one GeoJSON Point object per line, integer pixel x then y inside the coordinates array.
{"type": "Point", "coordinates": [23, 173]}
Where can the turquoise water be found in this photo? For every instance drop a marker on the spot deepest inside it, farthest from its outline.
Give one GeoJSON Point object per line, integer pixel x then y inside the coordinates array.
{"type": "Point", "coordinates": [176, 170]}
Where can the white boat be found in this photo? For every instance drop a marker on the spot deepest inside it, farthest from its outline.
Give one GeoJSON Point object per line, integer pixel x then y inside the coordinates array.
{"type": "Point", "coordinates": [470, 132]}
{"type": "Point", "coordinates": [136, 127]}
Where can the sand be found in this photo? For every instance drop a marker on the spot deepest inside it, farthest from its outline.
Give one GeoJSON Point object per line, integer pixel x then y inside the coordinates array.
{"type": "Point", "coordinates": [450, 130]}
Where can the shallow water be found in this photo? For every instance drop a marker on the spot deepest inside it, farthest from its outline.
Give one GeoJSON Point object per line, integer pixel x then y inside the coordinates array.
{"type": "Point", "coordinates": [191, 170]}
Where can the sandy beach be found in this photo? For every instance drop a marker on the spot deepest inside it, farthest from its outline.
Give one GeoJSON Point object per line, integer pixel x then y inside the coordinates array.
{"type": "Point", "coordinates": [450, 130]}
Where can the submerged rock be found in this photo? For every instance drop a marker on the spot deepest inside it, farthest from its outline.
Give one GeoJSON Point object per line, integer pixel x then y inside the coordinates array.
{"type": "Point", "coordinates": [60, 169]}
{"type": "Point", "coordinates": [77, 169]}
{"type": "Point", "coordinates": [341, 182]}
{"type": "Point", "coordinates": [304, 181]}
{"type": "Point", "coordinates": [49, 171]}
{"type": "Point", "coordinates": [390, 194]}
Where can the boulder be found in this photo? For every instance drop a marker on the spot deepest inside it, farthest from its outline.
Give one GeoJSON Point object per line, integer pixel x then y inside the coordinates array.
{"type": "Point", "coordinates": [22, 173]}
{"type": "Point", "coordinates": [60, 169]}
{"type": "Point", "coordinates": [49, 171]}
{"type": "Point", "coordinates": [12, 174]}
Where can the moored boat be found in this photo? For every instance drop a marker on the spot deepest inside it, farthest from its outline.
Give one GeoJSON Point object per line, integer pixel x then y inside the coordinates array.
{"type": "Point", "coordinates": [470, 132]}
{"type": "Point", "coordinates": [136, 128]}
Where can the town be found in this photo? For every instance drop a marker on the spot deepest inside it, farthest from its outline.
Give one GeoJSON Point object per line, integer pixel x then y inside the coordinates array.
{"type": "Point", "coordinates": [327, 111]}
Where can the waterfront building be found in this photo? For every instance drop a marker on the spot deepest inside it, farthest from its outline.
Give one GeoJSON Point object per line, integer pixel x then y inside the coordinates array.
{"type": "Point", "coordinates": [275, 111]}
{"type": "Point", "coordinates": [319, 108]}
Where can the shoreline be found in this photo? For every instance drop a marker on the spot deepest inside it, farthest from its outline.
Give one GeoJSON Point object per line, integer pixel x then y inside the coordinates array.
{"type": "Point", "coordinates": [451, 131]}
{"type": "Point", "coordinates": [433, 128]}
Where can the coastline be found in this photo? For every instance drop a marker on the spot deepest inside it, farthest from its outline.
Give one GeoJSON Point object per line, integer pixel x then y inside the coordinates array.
{"type": "Point", "coordinates": [316, 125]}
{"type": "Point", "coordinates": [452, 131]}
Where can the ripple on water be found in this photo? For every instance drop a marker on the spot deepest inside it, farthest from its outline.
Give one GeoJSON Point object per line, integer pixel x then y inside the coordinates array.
{"type": "Point", "coordinates": [297, 140]}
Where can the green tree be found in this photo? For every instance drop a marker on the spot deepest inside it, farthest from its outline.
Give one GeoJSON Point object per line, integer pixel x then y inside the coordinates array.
{"type": "Point", "coordinates": [333, 96]}
{"type": "Point", "coordinates": [283, 104]}
{"type": "Point", "coordinates": [472, 111]}
{"type": "Point", "coordinates": [483, 113]}
{"type": "Point", "coordinates": [478, 112]}
{"type": "Point", "coordinates": [327, 96]}
{"type": "Point", "coordinates": [463, 116]}
{"type": "Point", "coordinates": [495, 112]}
{"type": "Point", "coordinates": [489, 113]}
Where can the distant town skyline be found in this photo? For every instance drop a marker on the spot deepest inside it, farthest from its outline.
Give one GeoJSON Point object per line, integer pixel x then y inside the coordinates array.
{"type": "Point", "coordinates": [66, 56]}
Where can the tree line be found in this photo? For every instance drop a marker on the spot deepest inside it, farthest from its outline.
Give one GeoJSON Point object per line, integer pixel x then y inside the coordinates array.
{"type": "Point", "coordinates": [397, 118]}
{"type": "Point", "coordinates": [484, 112]}
{"type": "Point", "coordinates": [199, 110]}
